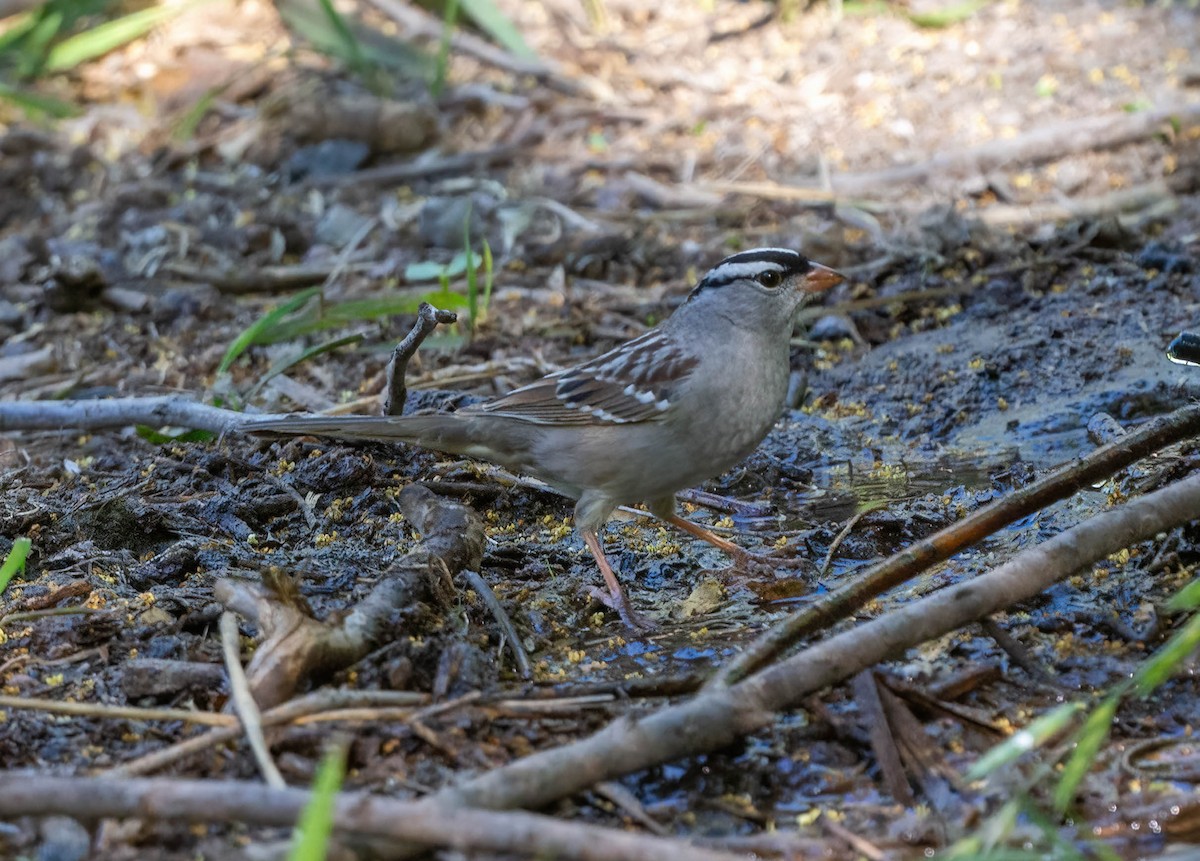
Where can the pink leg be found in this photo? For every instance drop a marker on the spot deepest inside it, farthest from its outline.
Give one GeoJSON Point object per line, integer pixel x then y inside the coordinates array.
{"type": "Point", "coordinates": [616, 594]}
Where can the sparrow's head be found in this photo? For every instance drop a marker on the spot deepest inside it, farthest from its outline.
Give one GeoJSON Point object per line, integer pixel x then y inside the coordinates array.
{"type": "Point", "coordinates": [764, 284]}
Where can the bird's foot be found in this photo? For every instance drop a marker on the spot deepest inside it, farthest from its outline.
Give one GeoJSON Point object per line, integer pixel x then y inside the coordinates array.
{"type": "Point", "coordinates": [634, 621]}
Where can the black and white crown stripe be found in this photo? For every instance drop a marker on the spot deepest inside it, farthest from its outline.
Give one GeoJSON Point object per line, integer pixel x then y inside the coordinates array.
{"type": "Point", "coordinates": [749, 265]}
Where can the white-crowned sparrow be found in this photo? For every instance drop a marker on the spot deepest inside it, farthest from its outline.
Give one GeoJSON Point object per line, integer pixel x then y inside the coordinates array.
{"type": "Point", "coordinates": [667, 410]}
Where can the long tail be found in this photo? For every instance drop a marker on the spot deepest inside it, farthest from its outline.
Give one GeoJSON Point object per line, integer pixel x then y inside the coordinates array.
{"type": "Point", "coordinates": [443, 432]}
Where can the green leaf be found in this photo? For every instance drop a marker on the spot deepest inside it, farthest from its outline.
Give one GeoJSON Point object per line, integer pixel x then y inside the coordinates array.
{"type": "Point", "coordinates": [99, 40]}
{"type": "Point", "coordinates": [14, 562]}
{"type": "Point", "coordinates": [351, 48]}
{"type": "Point", "coordinates": [324, 316]}
{"type": "Point", "coordinates": [488, 17]}
{"type": "Point", "coordinates": [185, 128]}
{"type": "Point", "coordinates": [472, 273]}
{"type": "Point", "coordinates": [18, 30]}
{"type": "Point", "coordinates": [311, 837]}
{"type": "Point", "coordinates": [1187, 598]}
{"type": "Point", "coordinates": [1033, 736]}
{"type": "Point", "coordinates": [158, 437]}
{"type": "Point", "coordinates": [262, 325]}
{"type": "Point", "coordinates": [1087, 745]}
{"type": "Point", "coordinates": [489, 277]}
{"type": "Point", "coordinates": [36, 104]}
{"type": "Point", "coordinates": [32, 54]}
{"type": "Point", "coordinates": [372, 46]}
{"type": "Point", "coordinates": [303, 356]}
{"type": "Point", "coordinates": [1158, 667]}
{"type": "Point", "coordinates": [442, 66]}
{"type": "Point", "coordinates": [431, 270]}
{"type": "Point", "coordinates": [446, 299]}
{"type": "Point", "coordinates": [946, 16]}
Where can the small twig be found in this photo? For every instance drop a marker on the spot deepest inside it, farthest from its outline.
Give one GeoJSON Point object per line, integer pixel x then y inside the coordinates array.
{"type": "Point", "coordinates": [859, 844]}
{"type": "Point", "coordinates": [485, 593]}
{"type": "Point", "coordinates": [1179, 425]}
{"type": "Point", "coordinates": [428, 318]}
{"type": "Point", "coordinates": [100, 710]}
{"type": "Point", "coordinates": [720, 715]}
{"type": "Point", "coordinates": [883, 742]}
{"type": "Point", "coordinates": [724, 504]}
{"type": "Point", "coordinates": [1016, 650]}
{"type": "Point", "coordinates": [559, 704]}
{"type": "Point", "coordinates": [266, 279]}
{"type": "Point", "coordinates": [116, 412]}
{"type": "Point", "coordinates": [343, 259]}
{"type": "Point", "coordinates": [1095, 132]}
{"type": "Point", "coordinates": [628, 802]}
{"type": "Point", "coordinates": [843, 535]}
{"type": "Point", "coordinates": [1112, 203]}
{"type": "Point", "coordinates": [243, 701]}
{"type": "Point", "coordinates": [314, 703]}
{"type": "Point", "coordinates": [27, 615]}
{"type": "Point", "coordinates": [423, 168]}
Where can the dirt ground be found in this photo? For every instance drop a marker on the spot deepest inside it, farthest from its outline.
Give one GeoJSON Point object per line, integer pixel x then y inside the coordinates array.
{"type": "Point", "coordinates": [1025, 276]}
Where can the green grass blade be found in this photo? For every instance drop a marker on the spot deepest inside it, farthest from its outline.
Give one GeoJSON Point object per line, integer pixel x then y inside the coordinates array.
{"type": "Point", "coordinates": [36, 104]}
{"type": "Point", "coordinates": [31, 54]}
{"type": "Point", "coordinates": [310, 840]}
{"type": "Point", "coordinates": [376, 48]}
{"type": "Point", "coordinates": [1158, 667]}
{"type": "Point", "coordinates": [351, 48]}
{"type": "Point", "coordinates": [489, 277]}
{"type": "Point", "coordinates": [185, 127]}
{"type": "Point", "coordinates": [158, 437]}
{"type": "Point", "coordinates": [18, 30]}
{"type": "Point", "coordinates": [303, 356]}
{"type": "Point", "coordinates": [263, 325]}
{"type": "Point", "coordinates": [442, 66]}
{"type": "Point", "coordinates": [99, 40]}
{"type": "Point", "coordinates": [1187, 598]}
{"type": "Point", "coordinates": [1035, 735]}
{"type": "Point", "coordinates": [430, 270]}
{"type": "Point", "coordinates": [321, 317]}
{"type": "Point", "coordinates": [488, 17]}
{"type": "Point", "coordinates": [14, 562]}
{"type": "Point", "coordinates": [1091, 736]}
{"type": "Point", "coordinates": [472, 274]}
{"type": "Point", "coordinates": [947, 16]}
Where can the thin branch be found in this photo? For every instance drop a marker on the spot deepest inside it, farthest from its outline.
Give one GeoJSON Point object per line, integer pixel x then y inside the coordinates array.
{"type": "Point", "coordinates": [427, 320]}
{"type": "Point", "coordinates": [116, 412]}
{"type": "Point", "coordinates": [720, 715]}
{"type": "Point", "coordinates": [101, 710]}
{"type": "Point", "coordinates": [1098, 465]}
{"type": "Point", "coordinates": [485, 593]}
{"type": "Point", "coordinates": [314, 703]}
{"type": "Point", "coordinates": [243, 701]}
{"type": "Point", "coordinates": [1033, 147]}
{"type": "Point", "coordinates": [523, 834]}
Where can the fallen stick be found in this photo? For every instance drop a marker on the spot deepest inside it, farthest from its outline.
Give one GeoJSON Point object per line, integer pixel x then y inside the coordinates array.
{"type": "Point", "coordinates": [295, 646]}
{"type": "Point", "coordinates": [427, 320]}
{"type": "Point", "coordinates": [91, 415]}
{"type": "Point", "coordinates": [891, 572]}
{"type": "Point", "coordinates": [1123, 200]}
{"type": "Point", "coordinates": [203, 801]}
{"type": "Point", "coordinates": [1033, 147]}
{"type": "Point", "coordinates": [719, 716]}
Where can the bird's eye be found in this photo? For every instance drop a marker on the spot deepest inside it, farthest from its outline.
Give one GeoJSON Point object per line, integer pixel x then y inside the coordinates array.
{"type": "Point", "coordinates": [770, 278]}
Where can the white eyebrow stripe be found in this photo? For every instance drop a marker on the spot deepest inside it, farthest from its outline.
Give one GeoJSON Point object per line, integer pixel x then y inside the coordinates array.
{"type": "Point", "coordinates": [733, 271]}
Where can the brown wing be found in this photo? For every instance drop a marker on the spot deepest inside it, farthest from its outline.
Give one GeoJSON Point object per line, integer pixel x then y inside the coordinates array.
{"type": "Point", "coordinates": [632, 383]}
